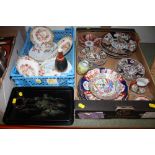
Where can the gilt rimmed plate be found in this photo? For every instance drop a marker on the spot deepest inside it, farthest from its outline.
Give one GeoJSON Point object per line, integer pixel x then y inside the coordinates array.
{"type": "Point", "coordinates": [27, 66]}
{"type": "Point", "coordinates": [40, 35]}
{"type": "Point", "coordinates": [86, 85]}
{"type": "Point", "coordinates": [40, 54]}
{"type": "Point", "coordinates": [65, 44]}
{"type": "Point", "coordinates": [130, 69]}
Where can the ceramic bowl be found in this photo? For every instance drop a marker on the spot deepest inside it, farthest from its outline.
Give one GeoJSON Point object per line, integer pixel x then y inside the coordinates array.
{"type": "Point", "coordinates": [90, 85]}
{"type": "Point", "coordinates": [105, 87]}
{"type": "Point", "coordinates": [142, 82]}
{"type": "Point", "coordinates": [27, 66]}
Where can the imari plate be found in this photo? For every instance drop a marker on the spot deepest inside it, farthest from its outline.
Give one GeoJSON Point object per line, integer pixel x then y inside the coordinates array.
{"type": "Point", "coordinates": [103, 84]}
{"type": "Point", "coordinates": [130, 69]}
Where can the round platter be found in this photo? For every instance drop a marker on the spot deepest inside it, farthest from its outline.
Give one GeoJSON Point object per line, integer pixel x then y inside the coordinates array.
{"type": "Point", "coordinates": [112, 89]}
{"type": "Point", "coordinates": [40, 35]}
{"type": "Point", "coordinates": [41, 54]}
{"type": "Point", "coordinates": [27, 66]}
{"type": "Point", "coordinates": [118, 45]}
{"type": "Point", "coordinates": [130, 69]}
{"type": "Point", "coordinates": [65, 44]}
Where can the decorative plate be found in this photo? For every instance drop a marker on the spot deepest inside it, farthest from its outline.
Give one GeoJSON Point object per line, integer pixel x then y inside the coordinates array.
{"type": "Point", "coordinates": [47, 68]}
{"type": "Point", "coordinates": [104, 84]}
{"type": "Point", "coordinates": [27, 66]}
{"type": "Point", "coordinates": [119, 44]}
{"type": "Point", "coordinates": [40, 35]}
{"type": "Point", "coordinates": [89, 40]}
{"type": "Point", "coordinates": [130, 68]}
{"type": "Point", "coordinates": [94, 55]}
{"type": "Point", "coordinates": [40, 53]}
{"type": "Point", "coordinates": [65, 44]}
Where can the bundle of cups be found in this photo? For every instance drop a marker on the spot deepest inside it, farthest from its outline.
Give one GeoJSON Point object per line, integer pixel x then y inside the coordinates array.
{"type": "Point", "coordinates": [40, 60]}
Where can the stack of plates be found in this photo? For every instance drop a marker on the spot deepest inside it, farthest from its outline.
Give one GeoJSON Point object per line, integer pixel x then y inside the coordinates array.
{"type": "Point", "coordinates": [44, 48]}
{"type": "Point", "coordinates": [102, 84]}
{"type": "Point", "coordinates": [118, 45]}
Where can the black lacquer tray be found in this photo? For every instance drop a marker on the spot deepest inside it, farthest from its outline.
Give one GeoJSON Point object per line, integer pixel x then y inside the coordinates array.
{"type": "Point", "coordinates": [40, 106]}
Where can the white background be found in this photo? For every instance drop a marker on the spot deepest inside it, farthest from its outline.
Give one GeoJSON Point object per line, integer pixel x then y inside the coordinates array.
{"type": "Point", "coordinates": [77, 13]}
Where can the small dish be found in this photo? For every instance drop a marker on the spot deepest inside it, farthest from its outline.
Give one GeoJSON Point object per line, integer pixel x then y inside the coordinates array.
{"type": "Point", "coordinates": [142, 82]}
{"type": "Point", "coordinates": [40, 53]}
{"type": "Point", "coordinates": [40, 35]}
{"type": "Point", "coordinates": [27, 66]}
{"type": "Point", "coordinates": [139, 85]}
{"type": "Point", "coordinates": [65, 44]}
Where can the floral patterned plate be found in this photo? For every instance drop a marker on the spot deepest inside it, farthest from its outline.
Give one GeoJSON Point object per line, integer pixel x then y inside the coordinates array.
{"type": "Point", "coordinates": [130, 69]}
{"type": "Point", "coordinates": [40, 53]}
{"type": "Point", "coordinates": [47, 68]}
{"type": "Point", "coordinates": [111, 91]}
{"type": "Point", "coordinates": [65, 44]}
{"type": "Point", "coordinates": [27, 66]}
{"type": "Point", "coordinates": [40, 35]}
